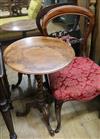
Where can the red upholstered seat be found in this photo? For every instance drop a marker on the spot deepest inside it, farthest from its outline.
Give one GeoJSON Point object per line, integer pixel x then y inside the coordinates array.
{"type": "Point", "coordinates": [80, 80]}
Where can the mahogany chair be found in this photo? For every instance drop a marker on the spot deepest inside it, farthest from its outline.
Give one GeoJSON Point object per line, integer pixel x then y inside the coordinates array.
{"type": "Point", "coordinates": [5, 103]}
{"type": "Point", "coordinates": [80, 80]}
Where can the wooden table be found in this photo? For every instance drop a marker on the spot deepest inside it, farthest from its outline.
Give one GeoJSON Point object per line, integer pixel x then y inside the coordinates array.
{"type": "Point", "coordinates": [39, 56]}
{"type": "Point", "coordinates": [20, 26]}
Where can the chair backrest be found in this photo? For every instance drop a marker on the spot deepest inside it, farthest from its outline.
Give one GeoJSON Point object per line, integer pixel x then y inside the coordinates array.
{"type": "Point", "coordinates": [45, 10]}
{"type": "Point", "coordinates": [71, 10]}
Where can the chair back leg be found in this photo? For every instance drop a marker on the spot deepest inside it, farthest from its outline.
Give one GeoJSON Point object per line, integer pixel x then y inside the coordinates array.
{"type": "Point", "coordinates": [58, 106]}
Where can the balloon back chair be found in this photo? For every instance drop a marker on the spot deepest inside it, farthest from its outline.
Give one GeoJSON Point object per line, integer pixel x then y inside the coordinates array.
{"type": "Point", "coordinates": [5, 104]}
{"type": "Point", "coordinates": [80, 80]}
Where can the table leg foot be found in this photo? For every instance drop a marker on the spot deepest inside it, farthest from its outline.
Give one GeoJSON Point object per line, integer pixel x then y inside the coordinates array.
{"type": "Point", "coordinates": [13, 136]}
{"type": "Point", "coordinates": [57, 130]}
{"type": "Point", "coordinates": [43, 108]}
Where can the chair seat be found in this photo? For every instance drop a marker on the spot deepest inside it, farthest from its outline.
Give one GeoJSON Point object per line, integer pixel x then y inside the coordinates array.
{"type": "Point", "coordinates": [80, 80]}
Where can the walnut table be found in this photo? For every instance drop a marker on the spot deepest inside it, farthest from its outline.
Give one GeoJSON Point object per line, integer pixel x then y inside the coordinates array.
{"type": "Point", "coordinates": [39, 56]}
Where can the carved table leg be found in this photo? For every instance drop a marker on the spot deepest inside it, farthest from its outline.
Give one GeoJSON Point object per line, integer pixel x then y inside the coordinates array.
{"type": "Point", "coordinates": [41, 103]}
{"type": "Point", "coordinates": [19, 80]}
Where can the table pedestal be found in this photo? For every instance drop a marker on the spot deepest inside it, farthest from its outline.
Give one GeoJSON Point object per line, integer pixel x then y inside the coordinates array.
{"type": "Point", "coordinates": [39, 56]}
{"type": "Point", "coordinates": [41, 103]}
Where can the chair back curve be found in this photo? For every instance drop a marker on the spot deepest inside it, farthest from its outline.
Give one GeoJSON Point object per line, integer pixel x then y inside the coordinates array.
{"type": "Point", "coordinates": [70, 10]}
{"type": "Point", "coordinates": [44, 10]}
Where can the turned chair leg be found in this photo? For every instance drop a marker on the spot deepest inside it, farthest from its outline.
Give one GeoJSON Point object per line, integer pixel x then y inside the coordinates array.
{"type": "Point", "coordinates": [58, 106]}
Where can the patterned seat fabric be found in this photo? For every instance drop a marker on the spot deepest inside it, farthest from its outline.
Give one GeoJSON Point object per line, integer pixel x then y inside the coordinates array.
{"type": "Point", "coordinates": [80, 80]}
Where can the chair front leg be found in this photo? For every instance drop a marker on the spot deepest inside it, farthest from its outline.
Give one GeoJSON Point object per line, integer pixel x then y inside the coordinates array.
{"type": "Point", "coordinates": [58, 106]}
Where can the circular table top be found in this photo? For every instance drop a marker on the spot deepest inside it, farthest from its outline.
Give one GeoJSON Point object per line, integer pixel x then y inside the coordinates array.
{"type": "Point", "coordinates": [38, 55]}
{"type": "Point", "coordinates": [20, 25]}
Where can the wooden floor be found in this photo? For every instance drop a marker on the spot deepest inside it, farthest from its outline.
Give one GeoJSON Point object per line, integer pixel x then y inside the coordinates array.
{"type": "Point", "coordinates": [79, 120]}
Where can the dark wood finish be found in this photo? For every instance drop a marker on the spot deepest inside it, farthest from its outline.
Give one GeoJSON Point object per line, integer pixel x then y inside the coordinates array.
{"type": "Point", "coordinates": [59, 11]}
{"type": "Point", "coordinates": [39, 56]}
{"type": "Point", "coordinates": [20, 25]}
{"type": "Point", "coordinates": [46, 9]}
{"type": "Point", "coordinates": [5, 102]}
{"type": "Point", "coordinates": [74, 10]}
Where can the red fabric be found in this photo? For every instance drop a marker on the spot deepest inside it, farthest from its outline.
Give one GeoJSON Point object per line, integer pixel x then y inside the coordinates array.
{"type": "Point", "coordinates": [80, 80]}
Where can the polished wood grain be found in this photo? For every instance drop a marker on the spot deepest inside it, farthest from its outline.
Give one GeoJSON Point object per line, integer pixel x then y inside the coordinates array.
{"type": "Point", "coordinates": [20, 25]}
{"type": "Point", "coordinates": [38, 55]}
{"type": "Point", "coordinates": [70, 10]}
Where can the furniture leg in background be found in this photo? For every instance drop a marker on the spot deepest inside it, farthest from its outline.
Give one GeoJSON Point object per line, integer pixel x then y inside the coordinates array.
{"type": "Point", "coordinates": [20, 26]}
{"type": "Point", "coordinates": [5, 102]}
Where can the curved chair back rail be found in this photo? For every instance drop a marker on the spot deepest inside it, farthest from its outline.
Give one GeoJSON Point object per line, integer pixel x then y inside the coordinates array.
{"type": "Point", "coordinates": [45, 10]}
{"type": "Point", "coordinates": [70, 10]}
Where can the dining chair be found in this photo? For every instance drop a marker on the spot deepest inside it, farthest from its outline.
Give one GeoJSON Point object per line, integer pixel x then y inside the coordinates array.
{"type": "Point", "coordinates": [80, 80]}
{"type": "Point", "coordinates": [5, 102]}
